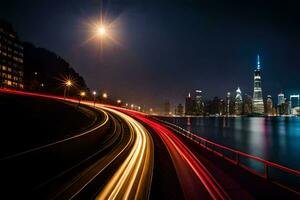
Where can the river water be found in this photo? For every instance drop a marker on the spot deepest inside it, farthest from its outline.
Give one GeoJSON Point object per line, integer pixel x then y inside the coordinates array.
{"type": "Point", "coordinates": [276, 139]}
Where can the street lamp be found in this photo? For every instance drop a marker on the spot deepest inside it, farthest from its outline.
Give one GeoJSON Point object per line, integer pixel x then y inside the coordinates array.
{"type": "Point", "coordinates": [119, 101]}
{"type": "Point", "coordinates": [82, 94]}
{"type": "Point", "coordinates": [94, 93]}
{"type": "Point", "coordinates": [68, 84]}
{"type": "Point", "coordinates": [104, 95]}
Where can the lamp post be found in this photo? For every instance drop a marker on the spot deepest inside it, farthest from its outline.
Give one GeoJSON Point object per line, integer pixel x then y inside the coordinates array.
{"type": "Point", "coordinates": [104, 96]}
{"type": "Point", "coordinates": [68, 84]}
{"type": "Point", "coordinates": [82, 94]}
{"type": "Point", "coordinates": [94, 94]}
{"type": "Point", "coordinates": [119, 101]}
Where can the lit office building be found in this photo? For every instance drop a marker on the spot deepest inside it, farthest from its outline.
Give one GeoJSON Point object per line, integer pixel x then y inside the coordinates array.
{"type": "Point", "coordinates": [281, 99]}
{"type": "Point", "coordinates": [11, 58]}
{"type": "Point", "coordinates": [295, 104]}
{"type": "Point", "coordinates": [199, 105]}
{"type": "Point", "coordinates": [258, 103]}
{"type": "Point", "coordinates": [294, 99]}
{"type": "Point", "coordinates": [228, 101]}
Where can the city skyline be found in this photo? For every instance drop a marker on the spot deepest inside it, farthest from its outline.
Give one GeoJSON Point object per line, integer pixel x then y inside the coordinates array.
{"type": "Point", "coordinates": [143, 99]}
{"type": "Point", "coordinates": [198, 54]}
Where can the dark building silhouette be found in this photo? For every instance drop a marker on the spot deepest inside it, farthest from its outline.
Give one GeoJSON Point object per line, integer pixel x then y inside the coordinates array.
{"type": "Point", "coordinates": [179, 110]}
{"type": "Point", "coordinates": [11, 57]}
{"type": "Point", "coordinates": [167, 108]}
{"type": "Point", "coordinates": [188, 105]}
{"type": "Point", "coordinates": [247, 105]}
{"type": "Point", "coordinates": [198, 104]}
{"type": "Point", "coordinates": [214, 107]}
{"type": "Point", "coordinates": [269, 106]}
{"type": "Point", "coordinates": [46, 71]}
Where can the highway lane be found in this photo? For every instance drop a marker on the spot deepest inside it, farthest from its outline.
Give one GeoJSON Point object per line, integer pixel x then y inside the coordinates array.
{"type": "Point", "coordinates": [132, 179]}
{"type": "Point", "coordinates": [79, 177]}
{"type": "Point", "coordinates": [125, 171]}
{"type": "Point", "coordinates": [116, 162]}
{"type": "Point", "coordinates": [28, 169]}
{"type": "Point", "coordinates": [196, 181]}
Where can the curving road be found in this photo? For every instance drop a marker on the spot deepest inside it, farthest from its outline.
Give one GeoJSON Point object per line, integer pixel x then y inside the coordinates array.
{"type": "Point", "coordinates": [196, 181]}
{"type": "Point", "coordinates": [113, 159]}
{"type": "Point", "coordinates": [132, 180]}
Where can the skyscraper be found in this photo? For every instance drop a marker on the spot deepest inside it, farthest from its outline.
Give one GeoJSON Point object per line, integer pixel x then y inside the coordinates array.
{"type": "Point", "coordinates": [258, 103]}
{"type": "Point", "coordinates": [228, 103]}
{"type": "Point", "coordinates": [198, 107]}
{"type": "Point", "coordinates": [189, 105]}
{"type": "Point", "coordinates": [238, 102]}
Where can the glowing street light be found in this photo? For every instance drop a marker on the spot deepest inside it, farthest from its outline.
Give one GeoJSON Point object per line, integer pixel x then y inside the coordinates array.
{"type": "Point", "coordinates": [131, 106]}
{"type": "Point", "coordinates": [104, 95]}
{"type": "Point", "coordinates": [68, 84]}
{"type": "Point", "coordinates": [119, 101]}
{"type": "Point", "coordinates": [82, 94]}
{"type": "Point", "coordinates": [94, 94]}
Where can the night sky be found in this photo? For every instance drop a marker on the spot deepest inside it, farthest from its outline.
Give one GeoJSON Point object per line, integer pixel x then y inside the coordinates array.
{"type": "Point", "coordinates": [164, 49]}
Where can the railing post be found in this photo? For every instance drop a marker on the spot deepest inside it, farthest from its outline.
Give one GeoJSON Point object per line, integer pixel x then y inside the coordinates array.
{"type": "Point", "coordinates": [266, 171]}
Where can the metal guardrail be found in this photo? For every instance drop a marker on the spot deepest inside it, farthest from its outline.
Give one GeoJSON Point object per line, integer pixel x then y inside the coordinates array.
{"type": "Point", "coordinates": [220, 150]}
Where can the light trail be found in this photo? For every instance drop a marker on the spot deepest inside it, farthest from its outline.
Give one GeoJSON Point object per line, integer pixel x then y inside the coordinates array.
{"type": "Point", "coordinates": [132, 180]}
{"type": "Point", "coordinates": [184, 161]}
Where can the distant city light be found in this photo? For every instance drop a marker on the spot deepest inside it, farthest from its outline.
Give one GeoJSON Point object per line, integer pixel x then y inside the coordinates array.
{"type": "Point", "coordinates": [119, 101]}
{"type": "Point", "coordinates": [94, 93]}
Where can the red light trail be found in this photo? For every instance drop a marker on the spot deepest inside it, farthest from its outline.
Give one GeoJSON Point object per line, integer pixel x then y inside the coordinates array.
{"type": "Point", "coordinates": [186, 164]}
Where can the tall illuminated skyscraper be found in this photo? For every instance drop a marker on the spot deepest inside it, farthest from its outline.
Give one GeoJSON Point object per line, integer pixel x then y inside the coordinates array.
{"type": "Point", "coordinates": [258, 103]}
{"type": "Point", "coordinates": [238, 102]}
